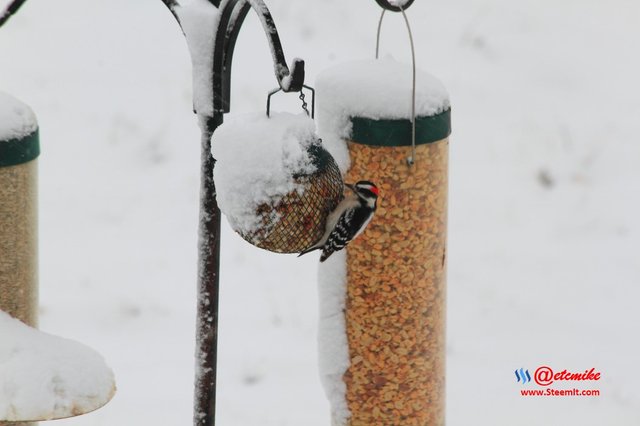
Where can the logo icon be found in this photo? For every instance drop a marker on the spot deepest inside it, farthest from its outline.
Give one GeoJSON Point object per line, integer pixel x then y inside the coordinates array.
{"type": "Point", "coordinates": [523, 375]}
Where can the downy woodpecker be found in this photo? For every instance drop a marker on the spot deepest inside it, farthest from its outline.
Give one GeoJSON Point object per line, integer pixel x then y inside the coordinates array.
{"type": "Point", "coordinates": [348, 219]}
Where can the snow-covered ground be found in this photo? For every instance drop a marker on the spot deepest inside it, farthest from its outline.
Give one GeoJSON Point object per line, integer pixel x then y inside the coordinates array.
{"type": "Point", "coordinates": [544, 203]}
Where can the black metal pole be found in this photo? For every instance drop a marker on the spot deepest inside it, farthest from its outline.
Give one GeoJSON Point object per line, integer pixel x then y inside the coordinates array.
{"type": "Point", "coordinates": [208, 285]}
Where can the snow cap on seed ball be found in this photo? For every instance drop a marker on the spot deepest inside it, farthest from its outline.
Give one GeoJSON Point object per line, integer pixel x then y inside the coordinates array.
{"type": "Point", "coordinates": [256, 159]}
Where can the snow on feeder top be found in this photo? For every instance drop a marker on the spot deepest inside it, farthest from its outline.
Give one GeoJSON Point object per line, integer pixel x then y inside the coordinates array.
{"type": "Point", "coordinates": [378, 89]}
{"type": "Point", "coordinates": [17, 120]}
{"type": "Point", "coordinates": [358, 97]}
{"type": "Point", "coordinates": [274, 181]}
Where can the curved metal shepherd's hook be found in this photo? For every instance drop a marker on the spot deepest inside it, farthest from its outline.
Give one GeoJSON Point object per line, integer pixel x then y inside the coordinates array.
{"type": "Point", "coordinates": [233, 13]}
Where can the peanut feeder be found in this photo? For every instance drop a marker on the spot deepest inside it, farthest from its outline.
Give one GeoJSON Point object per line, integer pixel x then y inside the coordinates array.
{"type": "Point", "coordinates": [394, 307]}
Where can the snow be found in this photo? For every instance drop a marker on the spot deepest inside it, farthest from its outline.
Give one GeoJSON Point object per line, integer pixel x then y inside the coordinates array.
{"type": "Point", "coordinates": [332, 335]}
{"type": "Point", "coordinates": [47, 377]}
{"type": "Point", "coordinates": [379, 88]}
{"type": "Point", "coordinates": [199, 21]}
{"type": "Point", "coordinates": [376, 89]}
{"type": "Point", "coordinates": [16, 118]}
{"type": "Point", "coordinates": [537, 271]}
{"type": "Point", "coordinates": [256, 159]}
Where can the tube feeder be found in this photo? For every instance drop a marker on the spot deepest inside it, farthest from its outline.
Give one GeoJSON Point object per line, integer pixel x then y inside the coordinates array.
{"type": "Point", "coordinates": [71, 379]}
{"type": "Point", "coordinates": [19, 150]}
{"type": "Point", "coordinates": [394, 307]}
{"type": "Point", "coordinates": [396, 275]}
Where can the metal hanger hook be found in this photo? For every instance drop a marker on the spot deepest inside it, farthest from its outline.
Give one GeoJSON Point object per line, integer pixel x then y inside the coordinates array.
{"type": "Point", "coordinates": [302, 98]}
{"type": "Point", "coordinates": [412, 158]}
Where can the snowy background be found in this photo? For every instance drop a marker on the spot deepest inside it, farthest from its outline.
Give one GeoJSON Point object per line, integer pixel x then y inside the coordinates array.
{"type": "Point", "coordinates": [544, 204]}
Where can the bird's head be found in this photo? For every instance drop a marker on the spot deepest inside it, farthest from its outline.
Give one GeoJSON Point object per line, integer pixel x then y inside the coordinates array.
{"type": "Point", "coordinates": [366, 191]}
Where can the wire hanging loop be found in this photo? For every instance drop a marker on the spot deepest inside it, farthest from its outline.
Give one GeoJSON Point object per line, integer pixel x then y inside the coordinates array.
{"type": "Point", "coordinates": [302, 97]}
{"type": "Point", "coordinates": [392, 5]}
{"type": "Point", "coordinates": [412, 159]}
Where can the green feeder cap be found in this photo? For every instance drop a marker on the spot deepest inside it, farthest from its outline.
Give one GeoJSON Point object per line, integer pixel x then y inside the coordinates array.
{"type": "Point", "coordinates": [19, 139]}
{"type": "Point", "coordinates": [430, 129]}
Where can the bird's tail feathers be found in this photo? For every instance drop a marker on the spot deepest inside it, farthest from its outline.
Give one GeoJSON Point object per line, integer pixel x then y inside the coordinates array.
{"type": "Point", "coordinates": [325, 255]}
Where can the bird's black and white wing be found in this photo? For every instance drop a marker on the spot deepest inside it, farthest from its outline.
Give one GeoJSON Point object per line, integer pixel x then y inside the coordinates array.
{"type": "Point", "coordinates": [339, 236]}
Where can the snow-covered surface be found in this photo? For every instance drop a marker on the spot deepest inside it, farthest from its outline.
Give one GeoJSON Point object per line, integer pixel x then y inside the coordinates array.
{"type": "Point", "coordinates": [47, 377]}
{"type": "Point", "coordinates": [376, 89]}
{"type": "Point", "coordinates": [332, 337]}
{"type": "Point", "coordinates": [17, 120]}
{"type": "Point", "coordinates": [544, 224]}
{"type": "Point", "coordinates": [199, 21]}
{"type": "Point", "coordinates": [379, 88]}
{"type": "Point", "coordinates": [256, 159]}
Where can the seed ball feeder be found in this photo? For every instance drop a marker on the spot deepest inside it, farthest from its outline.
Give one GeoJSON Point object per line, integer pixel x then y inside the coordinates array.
{"type": "Point", "coordinates": [295, 221]}
{"type": "Point", "coordinates": [276, 183]}
{"type": "Point", "coordinates": [301, 215]}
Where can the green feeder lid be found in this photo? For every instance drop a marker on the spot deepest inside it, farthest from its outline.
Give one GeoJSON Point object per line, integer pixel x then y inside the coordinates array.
{"type": "Point", "coordinates": [372, 132]}
{"type": "Point", "coordinates": [19, 139]}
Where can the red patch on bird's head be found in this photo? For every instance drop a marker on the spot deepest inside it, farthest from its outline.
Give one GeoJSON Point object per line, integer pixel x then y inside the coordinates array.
{"type": "Point", "coordinates": [368, 186]}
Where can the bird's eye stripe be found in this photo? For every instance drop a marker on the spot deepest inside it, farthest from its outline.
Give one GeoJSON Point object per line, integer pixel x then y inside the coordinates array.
{"type": "Point", "coordinates": [372, 189]}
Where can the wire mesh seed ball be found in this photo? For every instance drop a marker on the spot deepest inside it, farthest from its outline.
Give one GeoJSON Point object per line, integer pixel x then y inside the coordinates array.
{"type": "Point", "coordinates": [275, 182]}
{"type": "Point", "coordinates": [301, 214]}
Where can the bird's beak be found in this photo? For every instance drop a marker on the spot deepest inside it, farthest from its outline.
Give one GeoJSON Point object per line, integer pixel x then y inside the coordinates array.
{"type": "Point", "coordinates": [350, 186]}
